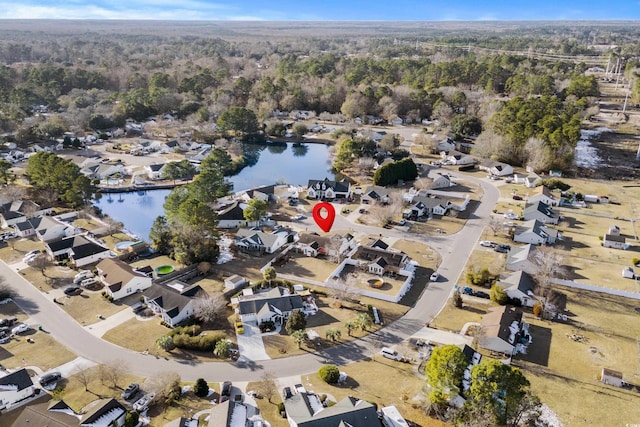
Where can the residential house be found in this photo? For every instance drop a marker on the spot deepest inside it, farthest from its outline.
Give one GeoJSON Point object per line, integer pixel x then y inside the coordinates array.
{"type": "Point", "coordinates": [457, 158]}
{"type": "Point", "coordinates": [255, 240]}
{"type": "Point", "coordinates": [523, 258]}
{"type": "Point", "coordinates": [446, 145]}
{"type": "Point", "coordinates": [535, 233]}
{"type": "Point", "coordinates": [611, 377]}
{"type": "Point", "coordinates": [14, 388]}
{"type": "Point", "coordinates": [544, 195]}
{"type": "Point", "coordinates": [235, 281]}
{"type": "Point", "coordinates": [473, 358]}
{"type": "Point", "coordinates": [229, 414]}
{"type": "Point", "coordinates": [427, 206]}
{"type": "Point", "coordinates": [46, 228]}
{"type": "Point", "coordinates": [376, 193]}
{"type": "Point", "coordinates": [274, 305]}
{"type": "Point", "coordinates": [520, 285]}
{"type": "Point", "coordinates": [391, 417]}
{"type": "Point", "coordinates": [540, 211]}
{"type": "Point", "coordinates": [170, 147]}
{"type": "Point", "coordinates": [265, 193]}
{"type": "Point", "coordinates": [519, 178]}
{"type": "Point", "coordinates": [304, 409]}
{"type": "Point", "coordinates": [24, 229]}
{"type": "Point", "coordinates": [532, 180]}
{"type": "Point", "coordinates": [496, 168]}
{"type": "Point", "coordinates": [200, 155]}
{"type": "Point", "coordinates": [328, 189]}
{"type": "Point", "coordinates": [155, 171]}
{"type": "Point", "coordinates": [19, 211]}
{"type": "Point", "coordinates": [79, 249]}
{"type": "Point", "coordinates": [53, 413]}
{"type": "Point", "coordinates": [104, 170]}
{"type": "Point", "coordinates": [379, 260]}
{"type": "Point", "coordinates": [120, 279]}
{"type": "Point", "coordinates": [232, 215]}
{"type": "Point", "coordinates": [442, 181]}
{"type": "Point", "coordinates": [396, 122]}
{"type": "Point", "coordinates": [103, 412]}
{"type": "Point", "coordinates": [336, 245]}
{"type": "Point", "coordinates": [502, 329]}
{"type": "Point", "coordinates": [614, 241]}
{"type": "Point", "coordinates": [173, 302]}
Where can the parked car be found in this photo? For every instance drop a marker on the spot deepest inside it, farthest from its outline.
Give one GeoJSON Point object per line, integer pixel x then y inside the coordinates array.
{"type": "Point", "coordinates": [8, 321]}
{"type": "Point", "coordinates": [83, 275]}
{"type": "Point", "coordinates": [286, 393]}
{"type": "Point", "coordinates": [503, 249]}
{"type": "Point", "coordinates": [511, 215]}
{"type": "Point", "coordinates": [239, 327]}
{"type": "Point", "coordinates": [297, 217]}
{"type": "Point", "coordinates": [7, 235]}
{"type": "Point", "coordinates": [362, 211]}
{"type": "Point", "coordinates": [226, 389]}
{"type": "Point", "coordinates": [88, 282]}
{"type": "Point", "coordinates": [138, 307]}
{"type": "Point", "coordinates": [29, 256]}
{"type": "Point", "coordinates": [130, 391]}
{"type": "Point", "coordinates": [21, 328]}
{"type": "Point", "coordinates": [481, 294]}
{"type": "Point", "coordinates": [72, 290]}
{"type": "Point", "coordinates": [142, 404]}
{"type": "Point", "coordinates": [434, 276]}
{"type": "Point", "coordinates": [467, 290]}
{"type": "Point", "coordinates": [487, 244]}
{"type": "Point", "coordinates": [494, 177]}
{"type": "Point", "coordinates": [391, 354]}
{"type": "Point", "coordinates": [402, 222]}
{"type": "Point", "coordinates": [509, 224]}
{"type": "Point", "coordinates": [49, 379]}
{"type": "Point", "coordinates": [516, 197]}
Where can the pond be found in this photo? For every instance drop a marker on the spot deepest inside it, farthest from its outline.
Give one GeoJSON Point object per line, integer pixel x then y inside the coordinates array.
{"type": "Point", "coordinates": [287, 163]}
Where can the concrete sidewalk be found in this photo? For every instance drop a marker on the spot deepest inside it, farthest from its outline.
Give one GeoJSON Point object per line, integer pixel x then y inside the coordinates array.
{"type": "Point", "coordinates": [102, 327]}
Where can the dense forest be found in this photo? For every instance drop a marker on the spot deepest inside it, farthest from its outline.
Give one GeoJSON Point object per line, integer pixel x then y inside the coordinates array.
{"type": "Point", "coordinates": [522, 87]}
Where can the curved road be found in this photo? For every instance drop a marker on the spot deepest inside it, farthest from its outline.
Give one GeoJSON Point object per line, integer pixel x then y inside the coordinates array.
{"type": "Point", "coordinates": [454, 249]}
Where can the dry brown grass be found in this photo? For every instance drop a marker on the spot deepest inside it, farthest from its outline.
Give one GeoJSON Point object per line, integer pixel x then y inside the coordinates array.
{"type": "Point", "coordinates": [54, 277]}
{"type": "Point", "coordinates": [422, 254]}
{"type": "Point", "coordinates": [138, 335]}
{"type": "Point", "coordinates": [20, 247]}
{"type": "Point", "coordinates": [318, 269]}
{"type": "Point", "coordinates": [45, 352]}
{"type": "Point", "coordinates": [483, 257]}
{"type": "Point", "coordinates": [453, 319]}
{"type": "Point", "coordinates": [85, 307]}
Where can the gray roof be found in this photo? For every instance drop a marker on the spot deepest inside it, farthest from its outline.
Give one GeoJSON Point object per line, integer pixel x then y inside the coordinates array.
{"type": "Point", "coordinates": [497, 321]}
{"type": "Point", "coordinates": [376, 192]}
{"type": "Point", "coordinates": [39, 414]}
{"type": "Point", "coordinates": [347, 412]}
{"type": "Point", "coordinates": [337, 186]}
{"type": "Point", "coordinates": [536, 227]}
{"type": "Point", "coordinates": [543, 208]}
{"type": "Point", "coordinates": [170, 299]}
{"type": "Point", "coordinates": [249, 304]}
{"type": "Point", "coordinates": [100, 408]}
{"type": "Point", "coordinates": [614, 238]}
{"type": "Point", "coordinates": [519, 280]}
{"type": "Point", "coordinates": [20, 379]}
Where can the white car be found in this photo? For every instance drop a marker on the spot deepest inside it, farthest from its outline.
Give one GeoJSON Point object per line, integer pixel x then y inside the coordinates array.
{"type": "Point", "coordinates": [29, 256]}
{"type": "Point", "coordinates": [84, 274]}
{"type": "Point", "coordinates": [22, 327]}
{"type": "Point", "coordinates": [142, 404]}
{"type": "Point", "coordinates": [487, 243]}
{"type": "Point", "coordinates": [511, 215]}
{"type": "Point", "coordinates": [434, 276]}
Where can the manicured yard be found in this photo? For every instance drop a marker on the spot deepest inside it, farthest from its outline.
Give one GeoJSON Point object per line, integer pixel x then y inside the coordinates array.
{"type": "Point", "coordinates": [318, 269]}
{"type": "Point", "coordinates": [453, 319]}
{"type": "Point", "coordinates": [56, 277]}
{"type": "Point", "coordinates": [86, 307]}
{"type": "Point", "coordinates": [17, 248]}
{"type": "Point", "coordinates": [422, 254]}
{"type": "Point", "coordinates": [483, 257]}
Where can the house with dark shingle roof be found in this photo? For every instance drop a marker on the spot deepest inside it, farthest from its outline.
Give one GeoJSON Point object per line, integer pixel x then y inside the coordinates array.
{"type": "Point", "coordinates": [155, 171]}
{"type": "Point", "coordinates": [120, 279]}
{"type": "Point", "coordinates": [103, 412]}
{"type": "Point", "coordinates": [376, 193]}
{"type": "Point", "coordinates": [15, 387]}
{"type": "Point", "coordinates": [379, 259]}
{"type": "Point", "coordinates": [535, 233]}
{"type": "Point", "coordinates": [232, 215]}
{"type": "Point", "coordinates": [255, 240]}
{"type": "Point", "coordinates": [275, 305]}
{"type": "Point", "coordinates": [50, 413]}
{"type": "Point", "coordinates": [79, 249]}
{"type": "Point", "coordinates": [523, 258]}
{"type": "Point", "coordinates": [540, 211]}
{"type": "Point", "coordinates": [502, 328]}
{"type": "Point", "coordinates": [328, 189]}
{"type": "Point", "coordinates": [19, 211]}
{"type": "Point", "coordinates": [304, 409]}
{"type": "Point", "coordinates": [174, 302]}
{"type": "Point", "coordinates": [521, 286]}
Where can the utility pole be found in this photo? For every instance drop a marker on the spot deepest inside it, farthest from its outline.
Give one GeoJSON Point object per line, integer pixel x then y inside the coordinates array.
{"type": "Point", "coordinates": [626, 97]}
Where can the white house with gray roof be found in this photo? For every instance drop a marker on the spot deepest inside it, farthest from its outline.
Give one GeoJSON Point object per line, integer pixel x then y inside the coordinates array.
{"type": "Point", "coordinates": [274, 305]}
{"type": "Point", "coordinates": [535, 233]}
{"type": "Point", "coordinates": [15, 387]}
{"type": "Point", "coordinates": [304, 409]}
{"type": "Point", "coordinates": [540, 211]}
{"type": "Point", "coordinates": [173, 302]}
{"type": "Point", "coordinates": [255, 240]}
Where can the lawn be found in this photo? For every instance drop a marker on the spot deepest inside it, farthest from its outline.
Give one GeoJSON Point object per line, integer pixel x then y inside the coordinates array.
{"type": "Point", "coordinates": [17, 248]}
{"type": "Point", "coordinates": [45, 352]}
{"type": "Point", "coordinates": [86, 307]}
{"type": "Point", "coordinates": [318, 269]}
{"type": "Point", "coordinates": [87, 223]}
{"type": "Point", "coordinates": [453, 319]}
{"type": "Point", "coordinates": [483, 257]}
{"type": "Point", "coordinates": [54, 277]}
{"type": "Point", "coordinates": [245, 265]}
{"type": "Point", "coordinates": [329, 316]}
{"type": "Point", "coordinates": [563, 372]}
{"type": "Point", "coordinates": [269, 411]}
{"type": "Point", "coordinates": [421, 253]}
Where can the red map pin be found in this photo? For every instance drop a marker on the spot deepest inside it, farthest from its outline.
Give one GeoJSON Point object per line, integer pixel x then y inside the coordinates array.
{"type": "Point", "coordinates": [324, 222]}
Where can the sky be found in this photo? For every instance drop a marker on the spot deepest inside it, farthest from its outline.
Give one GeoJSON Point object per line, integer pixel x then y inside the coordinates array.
{"type": "Point", "coordinates": [322, 10]}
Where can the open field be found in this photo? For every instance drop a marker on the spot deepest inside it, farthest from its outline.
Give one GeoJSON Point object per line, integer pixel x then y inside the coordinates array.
{"type": "Point", "coordinates": [45, 352]}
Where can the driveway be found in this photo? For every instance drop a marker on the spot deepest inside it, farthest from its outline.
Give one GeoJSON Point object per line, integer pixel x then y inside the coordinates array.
{"type": "Point", "coordinates": [250, 344]}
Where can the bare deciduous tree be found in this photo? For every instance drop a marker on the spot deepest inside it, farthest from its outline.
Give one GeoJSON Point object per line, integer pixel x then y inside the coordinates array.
{"type": "Point", "coordinates": [11, 193]}
{"type": "Point", "coordinates": [267, 386]}
{"type": "Point", "coordinates": [115, 371]}
{"type": "Point", "coordinates": [494, 225]}
{"type": "Point", "coordinates": [84, 377]}
{"type": "Point", "coordinates": [209, 308]}
{"type": "Point", "coordinates": [345, 289]}
{"type": "Point", "coordinates": [549, 265]}
{"type": "Point", "coordinates": [538, 154]}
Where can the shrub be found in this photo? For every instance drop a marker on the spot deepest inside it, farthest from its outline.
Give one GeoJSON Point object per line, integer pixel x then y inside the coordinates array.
{"type": "Point", "coordinates": [281, 410]}
{"type": "Point", "coordinates": [204, 343]}
{"type": "Point", "coordinates": [201, 388]}
{"type": "Point", "coordinates": [131, 419]}
{"type": "Point", "coordinates": [267, 326]}
{"type": "Point", "coordinates": [537, 309]}
{"type": "Point", "coordinates": [479, 276]}
{"type": "Point", "coordinates": [555, 183]}
{"type": "Point", "coordinates": [457, 299]}
{"type": "Point", "coordinates": [329, 373]}
{"type": "Point", "coordinates": [635, 261]}
{"type": "Point", "coordinates": [498, 295]}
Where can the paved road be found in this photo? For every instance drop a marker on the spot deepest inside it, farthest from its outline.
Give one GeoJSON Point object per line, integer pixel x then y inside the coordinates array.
{"type": "Point", "coordinates": [454, 249]}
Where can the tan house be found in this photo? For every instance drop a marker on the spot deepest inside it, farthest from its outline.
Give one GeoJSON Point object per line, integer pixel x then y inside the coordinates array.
{"type": "Point", "coordinates": [120, 279]}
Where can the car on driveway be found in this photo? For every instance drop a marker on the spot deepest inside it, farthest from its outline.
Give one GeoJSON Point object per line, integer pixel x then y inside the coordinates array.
{"type": "Point", "coordinates": [8, 321]}
{"type": "Point", "coordinates": [481, 294]}
{"type": "Point", "coordinates": [72, 290]}
{"type": "Point", "coordinates": [130, 391]}
{"type": "Point", "coordinates": [21, 328]}
{"type": "Point", "coordinates": [83, 275]}
{"type": "Point", "coordinates": [516, 197]}
{"type": "Point", "coordinates": [226, 389]}
{"type": "Point", "coordinates": [487, 243]}
{"type": "Point", "coordinates": [434, 276]}
{"type": "Point", "coordinates": [49, 380]}
{"type": "Point", "coordinates": [298, 217]}
{"type": "Point", "coordinates": [510, 224]}
{"type": "Point", "coordinates": [142, 404]}
{"type": "Point", "coordinates": [286, 393]}
{"type": "Point", "coordinates": [502, 248]}
{"type": "Point", "coordinates": [511, 215]}
{"type": "Point", "coordinates": [29, 256]}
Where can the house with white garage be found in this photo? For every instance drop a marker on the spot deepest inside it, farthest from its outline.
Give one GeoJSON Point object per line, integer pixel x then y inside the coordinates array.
{"type": "Point", "coordinates": [540, 211]}
{"type": "Point", "coordinates": [274, 305]}
{"type": "Point", "coordinates": [521, 286]}
{"type": "Point", "coordinates": [495, 168]}
{"type": "Point", "coordinates": [502, 329]}
{"type": "Point", "coordinates": [544, 195]}
{"type": "Point", "coordinates": [535, 233]}
{"type": "Point", "coordinates": [304, 409]}
{"type": "Point", "coordinates": [173, 302]}
{"type": "Point", "coordinates": [104, 170]}
{"type": "Point", "coordinates": [458, 158]}
{"type": "Point", "coordinates": [154, 171]}
{"type": "Point", "coordinates": [103, 412]}
{"type": "Point", "coordinates": [523, 258]}
{"type": "Point", "coordinates": [427, 206]}
{"type": "Point", "coordinates": [120, 279]}
{"type": "Point", "coordinates": [532, 180]}
{"type": "Point", "coordinates": [14, 388]}
{"type": "Point", "coordinates": [46, 229]}
{"type": "Point", "coordinates": [328, 189]}
{"type": "Point", "coordinates": [255, 240]}
{"type": "Point", "coordinates": [442, 181]}
{"type": "Point", "coordinates": [81, 250]}
{"type": "Point", "coordinates": [379, 259]}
